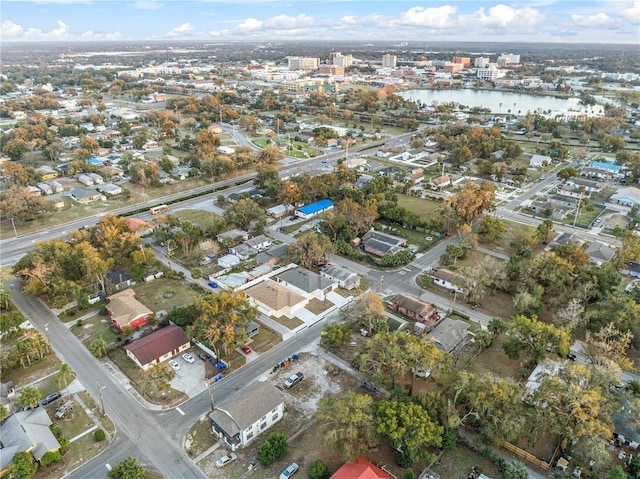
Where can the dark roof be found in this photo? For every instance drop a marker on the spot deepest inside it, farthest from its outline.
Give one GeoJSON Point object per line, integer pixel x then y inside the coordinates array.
{"type": "Point", "coordinates": [157, 344]}
{"type": "Point", "coordinates": [304, 279]}
{"type": "Point", "coordinates": [449, 333]}
{"type": "Point", "coordinates": [383, 242]}
{"type": "Point", "coordinates": [238, 412]}
{"type": "Point", "coordinates": [117, 277]}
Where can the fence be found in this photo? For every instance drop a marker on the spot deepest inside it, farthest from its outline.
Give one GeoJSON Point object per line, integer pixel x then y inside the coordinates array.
{"type": "Point", "coordinates": [525, 455]}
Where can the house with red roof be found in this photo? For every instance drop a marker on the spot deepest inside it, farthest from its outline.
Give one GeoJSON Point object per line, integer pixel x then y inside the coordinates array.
{"type": "Point", "coordinates": [125, 310]}
{"type": "Point", "coordinates": [360, 469]}
{"type": "Point", "coordinates": [158, 346]}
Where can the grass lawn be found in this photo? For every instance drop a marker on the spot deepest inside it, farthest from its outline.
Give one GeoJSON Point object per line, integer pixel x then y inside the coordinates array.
{"type": "Point", "coordinates": [200, 437]}
{"type": "Point", "coordinates": [94, 327]}
{"type": "Point", "coordinates": [74, 313]}
{"type": "Point", "coordinates": [23, 376]}
{"type": "Point", "coordinates": [423, 208]}
{"type": "Point", "coordinates": [586, 217]}
{"type": "Point", "coordinates": [457, 464]}
{"type": "Point", "coordinates": [265, 339]}
{"type": "Point", "coordinates": [145, 387]}
{"type": "Point", "coordinates": [316, 306]}
{"type": "Point", "coordinates": [74, 422]}
{"type": "Point", "coordinates": [513, 231]}
{"type": "Point", "coordinates": [493, 360]}
{"type": "Point", "coordinates": [164, 294]}
{"type": "Point", "coordinates": [203, 218]}
{"type": "Point", "coordinates": [290, 323]}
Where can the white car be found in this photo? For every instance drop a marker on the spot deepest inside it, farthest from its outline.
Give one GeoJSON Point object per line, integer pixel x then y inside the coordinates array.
{"type": "Point", "coordinates": [188, 358]}
{"type": "Point", "coordinates": [174, 364]}
{"type": "Point", "coordinates": [228, 459]}
{"type": "Point", "coordinates": [289, 471]}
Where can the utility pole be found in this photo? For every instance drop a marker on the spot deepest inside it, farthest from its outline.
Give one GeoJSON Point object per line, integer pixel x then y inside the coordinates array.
{"type": "Point", "coordinates": [14, 227]}
{"type": "Point", "coordinates": [206, 383]}
{"type": "Point", "coordinates": [101, 399]}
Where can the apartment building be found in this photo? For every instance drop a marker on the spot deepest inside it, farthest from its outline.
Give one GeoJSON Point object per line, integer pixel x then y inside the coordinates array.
{"type": "Point", "coordinates": [389, 61]}
{"type": "Point", "coordinates": [465, 61]}
{"type": "Point", "coordinates": [481, 62]}
{"type": "Point", "coordinates": [303, 63]}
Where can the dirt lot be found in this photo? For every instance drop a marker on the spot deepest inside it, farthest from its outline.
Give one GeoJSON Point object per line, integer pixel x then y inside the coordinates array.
{"type": "Point", "coordinates": [321, 379]}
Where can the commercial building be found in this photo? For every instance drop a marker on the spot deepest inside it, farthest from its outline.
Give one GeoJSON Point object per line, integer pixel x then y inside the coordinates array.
{"type": "Point", "coordinates": [465, 61]}
{"type": "Point", "coordinates": [481, 62]}
{"type": "Point", "coordinates": [489, 72]}
{"type": "Point", "coordinates": [303, 63]}
{"type": "Point", "coordinates": [389, 61]}
{"type": "Point", "coordinates": [314, 209]}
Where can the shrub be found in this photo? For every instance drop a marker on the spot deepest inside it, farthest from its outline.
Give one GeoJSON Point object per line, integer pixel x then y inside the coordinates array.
{"type": "Point", "coordinates": [409, 474]}
{"type": "Point", "coordinates": [318, 470]}
{"type": "Point", "coordinates": [449, 439]}
{"type": "Point", "coordinates": [98, 435]}
{"type": "Point", "coordinates": [64, 444]}
{"type": "Point", "coordinates": [275, 447]}
{"type": "Point", "coordinates": [49, 458]}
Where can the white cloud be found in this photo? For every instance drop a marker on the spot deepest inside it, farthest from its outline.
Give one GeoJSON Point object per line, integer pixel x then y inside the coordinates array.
{"type": "Point", "coordinates": [286, 22]}
{"type": "Point", "coordinates": [148, 5]}
{"type": "Point", "coordinates": [249, 25]}
{"type": "Point", "coordinates": [595, 20]}
{"type": "Point", "coordinates": [185, 29]}
{"type": "Point", "coordinates": [12, 31]}
{"type": "Point", "coordinates": [503, 17]}
{"type": "Point", "coordinates": [438, 17]}
{"type": "Point", "coordinates": [632, 14]}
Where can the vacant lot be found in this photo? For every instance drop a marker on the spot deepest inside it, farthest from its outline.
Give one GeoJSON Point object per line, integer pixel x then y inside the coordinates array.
{"type": "Point", "coordinates": [164, 294]}
{"type": "Point", "coordinates": [423, 208]}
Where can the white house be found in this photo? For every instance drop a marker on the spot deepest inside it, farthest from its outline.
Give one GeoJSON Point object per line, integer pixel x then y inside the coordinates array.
{"type": "Point", "coordinates": [228, 261]}
{"type": "Point", "coordinates": [538, 161]}
{"type": "Point", "coordinates": [447, 279]}
{"type": "Point", "coordinates": [259, 243]}
{"type": "Point", "coordinates": [346, 279]}
{"type": "Point", "coordinates": [240, 419]}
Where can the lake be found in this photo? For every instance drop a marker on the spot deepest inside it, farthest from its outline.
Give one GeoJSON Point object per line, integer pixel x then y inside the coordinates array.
{"type": "Point", "coordinates": [500, 101]}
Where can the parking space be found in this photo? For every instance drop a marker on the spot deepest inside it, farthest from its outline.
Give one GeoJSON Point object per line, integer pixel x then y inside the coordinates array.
{"type": "Point", "coordinates": [190, 377]}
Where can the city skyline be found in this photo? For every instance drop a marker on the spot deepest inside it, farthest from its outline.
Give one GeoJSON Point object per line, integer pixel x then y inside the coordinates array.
{"type": "Point", "coordinates": [330, 20]}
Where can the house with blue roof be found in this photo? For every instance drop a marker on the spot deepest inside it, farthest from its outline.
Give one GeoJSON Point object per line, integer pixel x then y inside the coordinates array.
{"type": "Point", "coordinates": [628, 197]}
{"type": "Point", "coordinates": [314, 209]}
{"type": "Point", "coordinates": [605, 165]}
{"type": "Point", "coordinates": [94, 161]}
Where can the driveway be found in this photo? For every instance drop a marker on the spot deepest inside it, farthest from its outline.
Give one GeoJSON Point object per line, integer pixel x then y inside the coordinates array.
{"type": "Point", "coordinates": [190, 377]}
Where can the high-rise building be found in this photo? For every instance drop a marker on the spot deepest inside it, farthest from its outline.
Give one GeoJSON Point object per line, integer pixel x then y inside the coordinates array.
{"type": "Point", "coordinates": [389, 61]}
{"type": "Point", "coordinates": [481, 62]}
{"type": "Point", "coordinates": [344, 61]}
{"type": "Point", "coordinates": [490, 72]}
{"type": "Point", "coordinates": [507, 59]}
{"type": "Point", "coordinates": [303, 63]}
{"type": "Point", "coordinates": [466, 61]}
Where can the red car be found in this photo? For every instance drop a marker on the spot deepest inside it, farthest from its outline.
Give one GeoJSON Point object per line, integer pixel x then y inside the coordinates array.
{"type": "Point", "coordinates": [246, 349]}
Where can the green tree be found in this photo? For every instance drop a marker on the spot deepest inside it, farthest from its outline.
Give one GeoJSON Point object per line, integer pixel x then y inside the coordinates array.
{"type": "Point", "coordinates": [334, 335]}
{"type": "Point", "coordinates": [407, 425]}
{"type": "Point", "coordinates": [244, 212]}
{"type": "Point", "coordinates": [318, 470]}
{"type": "Point", "coordinates": [544, 229]}
{"type": "Point", "coordinates": [64, 374]}
{"type": "Point", "coordinates": [491, 228]}
{"type": "Point", "coordinates": [618, 473]}
{"type": "Point", "coordinates": [496, 326]}
{"type": "Point", "coordinates": [24, 467]}
{"type": "Point", "coordinates": [460, 155]}
{"type": "Point", "coordinates": [4, 412]}
{"type": "Point", "coordinates": [530, 336]}
{"type": "Point", "coordinates": [311, 250]}
{"type": "Point", "coordinates": [348, 423]}
{"type": "Point", "coordinates": [128, 468]}
{"type": "Point", "coordinates": [273, 449]}
{"type": "Point", "coordinates": [98, 347]}
{"type": "Point", "coordinates": [566, 173]}
{"type": "Point", "coordinates": [516, 470]}
{"type": "Point", "coordinates": [29, 397]}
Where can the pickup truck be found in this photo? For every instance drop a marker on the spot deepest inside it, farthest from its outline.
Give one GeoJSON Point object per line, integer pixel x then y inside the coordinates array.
{"type": "Point", "coordinates": [64, 409]}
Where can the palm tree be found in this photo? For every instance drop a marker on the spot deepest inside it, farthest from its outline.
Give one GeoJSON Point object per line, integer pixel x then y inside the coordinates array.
{"type": "Point", "coordinates": [64, 374]}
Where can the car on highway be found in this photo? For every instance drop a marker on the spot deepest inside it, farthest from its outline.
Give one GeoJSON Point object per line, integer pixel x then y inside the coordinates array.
{"type": "Point", "coordinates": [174, 364]}
{"type": "Point", "coordinates": [225, 460]}
{"type": "Point", "coordinates": [293, 380]}
{"type": "Point", "coordinates": [246, 349]}
{"type": "Point", "coordinates": [51, 397]}
{"type": "Point", "coordinates": [188, 358]}
{"type": "Point", "coordinates": [289, 471]}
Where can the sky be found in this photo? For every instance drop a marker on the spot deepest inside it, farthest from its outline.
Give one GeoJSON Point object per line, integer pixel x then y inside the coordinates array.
{"type": "Point", "coordinates": [562, 21]}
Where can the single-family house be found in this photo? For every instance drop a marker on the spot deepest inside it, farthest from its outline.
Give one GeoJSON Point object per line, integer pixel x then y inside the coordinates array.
{"type": "Point", "coordinates": [259, 243]}
{"type": "Point", "coordinates": [56, 186]}
{"type": "Point", "coordinates": [278, 211]}
{"type": "Point", "coordinates": [544, 208]}
{"type": "Point", "coordinates": [360, 469]}
{"type": "Point", "coordinates": [228, 261]}
{"type": "Point", "coordinates": [34, 191]}
{"type": "Point", "coordinates": [47, 173]}
{"type": "Point", "coordinates": [139, 226]}
{"type": "Point", "coordinates": [380, 244]}
{"type": "Point", "coordinates": [242, 251]}
{"type": "Point", "coordinates": [273, 255]}
{"type": "Point", "coordinates": [126, 311]}
{"type": "Point", "coordinates": [275, 299]}
{"type": "Point", "coordinates": [305, 282]}
{"type": "Point", "coordinates": [110, 189]}
{"type": "Point", "coordinates": [449, 334]}
{"type": "Point", "coordinates": [600, 253]}
{"type": "Point", "coordinates": [629, 197]}
{"type": "Point", "coordinates": [232, 237]}
{"type": "Point", "coordinates": [26, 431]}
{"type": "Point", "coordinates": [7, 392]}
{"type": "Point", "coordinates": [240, 419]}
{"type": "Point", "coordinates": [417, 175]}
{"type": "Point", "coordinates": [447, 279]}
{"type": "Point", "coordinates": [346, 279]}
{"type": "Point", "coordinates": [84, 195]}
{"type": "Point", "coordinates": [45, 188]}
{"type": "Point", "coordinates": [565, 238]}
{"type": "Point", "coordinates": [97, 179]}
{"type": "Point", "coordinates": [86, 180]}
{"type": "Point", "coordinates": [440, 181]}
{"type": "Point", "coordinates": [589, 186]}
{"type": "Point", "coordinates": [355, 162]}
{"type": "Point", "coordinates": [538, 161]}
{"type": "Point", "coordinates": [413, 307]}
{"type": "Point", "coordinates": [313, 209]}
{"type": "Point", "coordinates": [158, 346]}
{"type": "Point", "coordinates": [362, 181]}
{"type": "Point", "coordinates": [391, 171]}
{"type": "Point", "coordinates": [541, 371]}
{"type": "Point", "coordinates": [117, 280]}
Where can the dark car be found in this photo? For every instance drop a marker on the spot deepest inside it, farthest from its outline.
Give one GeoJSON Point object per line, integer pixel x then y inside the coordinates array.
{"type": "Point", "coordinates": [571, 357]}
{"type": "Point", "coordinates": [204, 356]}
{"type": "Point", "coordinates": [51, 397]}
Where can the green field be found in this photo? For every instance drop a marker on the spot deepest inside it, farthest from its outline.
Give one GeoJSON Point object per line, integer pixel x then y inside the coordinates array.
{"type": "Point", "coordinates": [423, 208]}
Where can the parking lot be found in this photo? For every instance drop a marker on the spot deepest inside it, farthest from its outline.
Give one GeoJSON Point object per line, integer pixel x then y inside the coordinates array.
{"type": "Point", "coordinates": [190, 377]}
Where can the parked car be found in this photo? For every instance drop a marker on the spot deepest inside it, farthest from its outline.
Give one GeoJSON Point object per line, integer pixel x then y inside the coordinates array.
{"type": "Point", "coordinates": [289, 471]}
{"type": "Point", "coordinates": [51, 397]}
{"type": "Point", "coordinates": [188, 358]}
{"type": "Point", "coordinates": [246, 349]}
{"type": "Point", "coordinates": [64, 409]}
{"type": "Point", "coordinates": [228, 459]}
{"type": "Point", "coordinates": [571, 357]}
{"type": "Point", "coordinates": [293, 379]}
{"type": "Point", "coordinates": [174, 364]}
{"type": "Point", "coordinates": [213, 284]}
{"type": "Point", "coordinates": [204, 356]}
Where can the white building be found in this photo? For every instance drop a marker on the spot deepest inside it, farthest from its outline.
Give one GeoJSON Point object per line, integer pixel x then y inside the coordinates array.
{"type": "Point", "coordinates": [489, 72]}
{"type": "Point", "coordinates": [507, 59]}
{"type": "Point", "coordinates": [240, 419]}
{"type": "Point", "coordinates": [303, 63]}
{"type": "Point", "coordinates": [389, 61]}
{"type": "Point", "coordinates": [344, 61]}
{"type": "Point", "coordinates": [481, 62]}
